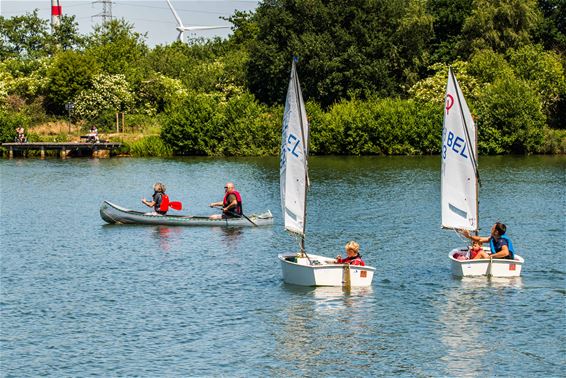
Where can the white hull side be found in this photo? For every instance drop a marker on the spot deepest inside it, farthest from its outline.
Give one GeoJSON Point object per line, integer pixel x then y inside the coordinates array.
{"type": "Point", "coordinates": [481, 267]}
{"type": "Point", "coordinates": [323, 273]}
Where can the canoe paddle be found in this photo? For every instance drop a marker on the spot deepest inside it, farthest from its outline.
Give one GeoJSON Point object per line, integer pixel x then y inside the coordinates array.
{"type": "Point", "coordinates": [239, 215]}
{"type": "Point", "coordinates": [176, 205]}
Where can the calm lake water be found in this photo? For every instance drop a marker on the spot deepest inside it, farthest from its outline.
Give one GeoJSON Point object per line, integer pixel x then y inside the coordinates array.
{"type": "Point", "coordinates": [81, 298]}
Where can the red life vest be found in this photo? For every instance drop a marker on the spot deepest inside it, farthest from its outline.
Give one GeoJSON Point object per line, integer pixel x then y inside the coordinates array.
{"type": "Point", "coordinates": [239, 209]}
{"type": "Point", "coordinates": [164, 203]}
{"type": "Point", "coordinates": [355, 260]}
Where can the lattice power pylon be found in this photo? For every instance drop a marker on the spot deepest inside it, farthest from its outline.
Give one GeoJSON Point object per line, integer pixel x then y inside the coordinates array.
{"type": "Point", "coordinates": [106, 13]}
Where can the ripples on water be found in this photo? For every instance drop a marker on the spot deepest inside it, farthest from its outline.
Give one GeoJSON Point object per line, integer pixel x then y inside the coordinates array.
{"type": "Point", "coordinates": [82, 298]}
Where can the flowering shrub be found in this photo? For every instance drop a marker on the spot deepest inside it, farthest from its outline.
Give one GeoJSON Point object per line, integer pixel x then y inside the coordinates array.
{"type": "Point", "coordinates": [108, 93]}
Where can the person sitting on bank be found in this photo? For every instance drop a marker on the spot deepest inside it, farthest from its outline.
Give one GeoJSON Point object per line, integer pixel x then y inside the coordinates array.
{"type": "Point", "coordinates": [93, 135]}
{"type": "Point", "coordinates": [231, 204]}
{"type": "Point", "coordinates": [160, 200]}
{"type": "Point", "coordinates": [353, 255]}
{"type": "Point", "coordinates": [499, 244]}
{"type": "Point", "coordinates": [20, 135]}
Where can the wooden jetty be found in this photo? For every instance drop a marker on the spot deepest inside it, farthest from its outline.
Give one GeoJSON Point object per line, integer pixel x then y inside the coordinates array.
{"type": "Point", "coordinates": [65, 150]}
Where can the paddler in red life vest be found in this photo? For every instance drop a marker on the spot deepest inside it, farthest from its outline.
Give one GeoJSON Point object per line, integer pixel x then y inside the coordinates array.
{"type": "Point", "coordinates": [160, 200]}
{"type": "Point", "coordinates": [353, 251]}
{"type": "Point", "coordinates": [231, 204]}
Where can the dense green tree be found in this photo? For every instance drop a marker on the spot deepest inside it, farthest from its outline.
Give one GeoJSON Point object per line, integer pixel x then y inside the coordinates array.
{"type": "Point", "coordinates": [487, 66]}
{"type": "Point", "coordinates": [158, 92]}
{"type": "Point", "coordinates": [511, 119]}
{"type": "Point", "coordinates": [24, 78]}
{"type": "Point", "coordinates": [552, 30]}
{"type": "Point", "coordinates": [191, 127]}
{"type": "Point", "coordinates": [70, 73]}
{"type": "Point", "coordinates": [543, 70]}
{"type": "Point", "coordinates": [413, 35]}
{"type": "Point", "coordinates": [449, 17]}
{"type": "Point", "coordinates": [500, 25]}
{"type": "Point", "coordinates": [23, 36]}
{"type": "Point", "coordinates": [345, 48]}
{"type": "Point", "coordinates": [205, 67]}
{"type": "Point", "coordinates": [118, 49]}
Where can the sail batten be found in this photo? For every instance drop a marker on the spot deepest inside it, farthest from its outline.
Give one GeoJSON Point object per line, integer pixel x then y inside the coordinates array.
{"type": "Point", "coordinates": [293, 162]}
{"type": "Point", "coordinates": [459, 173]}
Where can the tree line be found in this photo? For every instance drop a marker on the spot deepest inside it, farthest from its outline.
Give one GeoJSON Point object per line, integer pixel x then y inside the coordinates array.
{"type": "Point", "coordinates": [373, 74]}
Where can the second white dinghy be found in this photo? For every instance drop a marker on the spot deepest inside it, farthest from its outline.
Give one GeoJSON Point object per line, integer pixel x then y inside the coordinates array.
{"type": "Point", "coordinates": [459, 186]}
{"type": "Point", "coordinates": [300, 268]}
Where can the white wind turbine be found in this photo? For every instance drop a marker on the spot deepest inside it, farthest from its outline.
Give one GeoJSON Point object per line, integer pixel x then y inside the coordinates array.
{"type": "Point", "coordinates": [182, 28]}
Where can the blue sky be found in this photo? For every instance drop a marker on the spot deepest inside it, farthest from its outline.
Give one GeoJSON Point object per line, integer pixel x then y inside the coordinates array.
{"type": "Point", "coordinates": [148, 16]}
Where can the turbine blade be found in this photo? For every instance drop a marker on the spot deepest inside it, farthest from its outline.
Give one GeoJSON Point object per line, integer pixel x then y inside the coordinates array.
{"type": "Point", "coordinates": [195, 28]}
{"type": "Point", "coordinates": [179, 22]}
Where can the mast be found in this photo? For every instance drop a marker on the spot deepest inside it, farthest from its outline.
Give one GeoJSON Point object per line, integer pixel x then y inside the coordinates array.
{"type": "Point", "coordinates": [477, 185]}
{"type": "Point", "coordinates": [467, 132]}
{"type": "Point", "coordinates": [298, 96]}
{"type": "Point", "coordinates": [474, 154]}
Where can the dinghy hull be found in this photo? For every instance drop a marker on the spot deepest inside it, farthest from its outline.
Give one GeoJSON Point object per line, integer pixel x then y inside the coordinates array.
{"type": "Point", "coordinates": [484, 267]}
{"type": "Point", "coordinates": [115, 214]}
{"type": "Point", "coordinates": [323, 272]}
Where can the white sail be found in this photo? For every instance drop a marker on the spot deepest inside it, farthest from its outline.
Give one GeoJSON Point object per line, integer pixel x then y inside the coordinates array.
{"type": "Point", "coordinates": [294, 152]}
{"type": "Point", "coordinates": [459, 193]}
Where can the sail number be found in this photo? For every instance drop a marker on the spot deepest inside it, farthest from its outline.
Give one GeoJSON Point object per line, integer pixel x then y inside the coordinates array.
{"type": "Point", "coordinates": [454, 143]}
{"type": "Point", "coordinates": [293, 144]}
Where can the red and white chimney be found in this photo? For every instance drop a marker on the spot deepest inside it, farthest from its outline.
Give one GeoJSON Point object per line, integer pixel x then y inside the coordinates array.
{"type": "Point", "coordinates": [56, 12]}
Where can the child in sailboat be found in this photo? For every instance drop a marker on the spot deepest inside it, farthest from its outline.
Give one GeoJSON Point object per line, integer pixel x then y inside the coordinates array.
{"type": "Point", "coordinates": [353, 251]}
{"type": "Point", "coordinates": [475, 249]}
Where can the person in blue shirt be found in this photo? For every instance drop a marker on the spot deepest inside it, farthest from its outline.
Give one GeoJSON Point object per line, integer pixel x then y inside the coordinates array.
{"type": "Point", "coordinates": [499, 244]}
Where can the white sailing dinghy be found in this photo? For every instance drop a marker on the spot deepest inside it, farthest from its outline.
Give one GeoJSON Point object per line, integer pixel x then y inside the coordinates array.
{"type": "Point", "coordinates": [459, 186]}
{"type": "Point", "coordinates": [300, 268]}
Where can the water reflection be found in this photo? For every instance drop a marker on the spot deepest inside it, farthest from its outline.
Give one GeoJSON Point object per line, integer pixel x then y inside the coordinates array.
{"type": "Point", "coordinates": [229, 236]}
{"type": "Point", "coordinates": [323, 328]}
{"type": "Point", "coordinates": [462, 313]}
{"type": "Point", "coordinates": [474, 283]}
{"type": "Point", "coordinates": [167, 236]}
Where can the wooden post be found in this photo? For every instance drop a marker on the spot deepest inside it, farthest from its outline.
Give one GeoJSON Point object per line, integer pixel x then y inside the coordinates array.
{"type": "Point", "coordinates": [42, 153]}
{"type": "Point", "coordinates": [11, 153]}
{"type": "Point", "coordinates": [123, 123]}
{"type": "Point", "coordinates": [117, 124]}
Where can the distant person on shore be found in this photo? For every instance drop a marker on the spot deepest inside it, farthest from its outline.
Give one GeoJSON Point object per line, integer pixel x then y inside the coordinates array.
{"type": "Point", "coordinates": [20, 135]}
{"type": "Point", "coordinates": [353, 255]}
{"type": "Point", "coordinates": [160, 200]}
{"type": "Point", "coordinates": [93, 135]}
{"type": "Point", "coordinates": [231, 204]}
{"type": "Point", "coordinates": [499, 244]}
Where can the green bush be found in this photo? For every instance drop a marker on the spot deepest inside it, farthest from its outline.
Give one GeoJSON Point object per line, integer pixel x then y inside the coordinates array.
{"type": "Point", "coordinates": [248, 129]}
{"type": "Point", "coordinates": [149, 146]}
{"type": "Point", "coordinates": [553, 142]}
{"type": "Point", "coordinates": [192, 126]}
{"type": "Point", "coordinates": [377, 126]}
{"type": "Point", "coordinates": [511, 118]}
{"type": "Point", "coordinates": [205, 125]}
